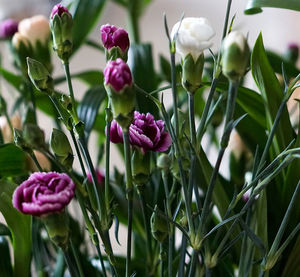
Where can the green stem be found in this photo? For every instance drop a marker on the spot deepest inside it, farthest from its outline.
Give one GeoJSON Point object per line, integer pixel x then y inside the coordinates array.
{"type": "Point", "coordinates": [71, 92]}
{"type": "Point", "coordinates": [77, 261]}
{"type": "Point", "coordinates": [162, 264]}
{"type": "Point", "coordinates": [171, 241]}
{"type": "Point", "coordinates": [200, 130]}
{"type": "Point", "coordinates": [192, 119]}
{"type": "Point", "coordinates": [129, 195]}
{"type": "Point", "coordinates": [33, 157]}
{"type": "Point", "coordinates": [32, 96]}
{"type": "Point", "coordinates": [232, 92]}
{"type": "Point", "coordinates": [147, 226]}
{"type": "Point", "coordinates": [107, 163]}
{"type": "Point", "coordinates": [133, 12]}
{"type": "Point", "coordinates": [182, 256]}
{"type": "Point", "coordinates": [193, 263]}
{"type": "Point", "coordinates": [101, 260]}
{"type": "Point", "coordinates": [174, 93]}
{"type": "Point", "coordinates": [70, 263]}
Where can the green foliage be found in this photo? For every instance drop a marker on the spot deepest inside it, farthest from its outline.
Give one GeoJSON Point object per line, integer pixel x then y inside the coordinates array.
{"type": "Point", "coordinates": [255, 6]}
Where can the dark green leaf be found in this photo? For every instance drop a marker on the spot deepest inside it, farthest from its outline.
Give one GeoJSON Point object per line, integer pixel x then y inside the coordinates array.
{"type": "Point", "coordinates": [85, 14]}
{"type": "Point", "coordinates": [254, 6]}
{"type": "Point", "coordinates": [5, 262]}
{"type": "Point", "coordinates": [11, 78]}
{"type": "Point", "coordinates": [141, 64]}
{"type": "Point", "coordinates": [4, 230]}
{"type": "Point", "coordinates": [89, 106]}
{"type": "Point", "coordinates": [12, 161]}
{"type": "Point", "coordinates": [20, 227]}
{"type": "Point", "coordinates": [117, 229]}
{"type": "Point", "coordinates": [272, 94]}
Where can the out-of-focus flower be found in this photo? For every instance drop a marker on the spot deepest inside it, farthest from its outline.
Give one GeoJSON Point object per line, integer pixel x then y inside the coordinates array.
{"type": "Point", "coordinates": [120, 91]}
{"type": "Point", "coordinates": [19, 39]}
{"type": "Point", "coordinates": [112, 36]}
{"type": "Point", "coordinates": [116, 42]}
{"type": "Point", "coordinates": [44, 193]}
{"type": "Point", "coordinates": [100, 177]}
{"type": "Point", "coordinates": [8, 28]}
{"type": "Point", "coordinates": [35, 29]}
{"type": "Point", "coordinates": [117, 74]}
{"type": "Point", "coordinates": [144, 132]}
{"type": "Point", "coordinates": [235, 55]}
{"type": "Point", "coordinates": [61, 24]}
{"type": "Point", "coordinates": [193, 37]}
{"type": "Point", "coordinates": [7, 134]}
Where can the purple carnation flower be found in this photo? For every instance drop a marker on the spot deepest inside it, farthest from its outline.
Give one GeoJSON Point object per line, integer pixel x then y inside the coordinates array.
{"type": "Point", "coordinates": [100, 177]}
{"type": "Point", "coordinates": [144, 132]}
{"type": "Point", "coordinates": [117, 74]}
{"type": "Point", "coordinates": [44, 193]}
{"type": "Point", "coordinates": [8, 28]}
{"type": "Point", "coordinates": [58, 9]}
{"type": "Point", "coordinates": [114, 37]}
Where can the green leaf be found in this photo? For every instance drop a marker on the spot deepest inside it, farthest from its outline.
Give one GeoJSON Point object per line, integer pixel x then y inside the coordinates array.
{"type": "Point", "coordinates": [85, 14]}
{"type": "Point", "coordinates": [89, 106]}
{"type": "Point", "coordinates": [91, 77]}
{"type": "Point", "coordinates": [292, 266]}
{"type": "Point", "coordinates": [11, 78]}
{"type": "Point", "coordinates": [272, 95]}
{"type": "Point", "coordinates": [12, 161]}
{"type": "Point", "coordinates": [4, 230]}
{"type": "Point", "coordinates": [5, 262]}
{"type": "Point", "coordinates": [254, 6]}
{"type": "Point", "coordinates": [141, 64]}
{"type": "Point", "coordinates": [20, 227]}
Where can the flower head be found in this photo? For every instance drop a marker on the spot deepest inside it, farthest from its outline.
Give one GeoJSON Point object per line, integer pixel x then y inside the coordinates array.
{"type": "Point", "coordinates": [58, 9]}
{"type": "Point", "coordinates": [114, 37]}
{"type": "Point", "coordinates": [193, 36]}
{"type": "Point", "coordinates": [35, 29]}
{"type": "Point", "coordinates": [144, 132]}
{"type": "Point", "coordinates": [117, 74]}
{"type": "Point", "coordinates": [44, 193]}
{"type": "Point", "coordinates": [8, 28]}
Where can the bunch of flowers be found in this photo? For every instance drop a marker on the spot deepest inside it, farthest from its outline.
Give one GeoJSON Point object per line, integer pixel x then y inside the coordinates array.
{"type": "Point", "coordinates": [183, 216]}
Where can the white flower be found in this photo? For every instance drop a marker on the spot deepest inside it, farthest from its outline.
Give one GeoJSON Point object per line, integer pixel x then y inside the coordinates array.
{"type": "Point", "coordinates": [35, 29]}
{"type": "Point", "coordinates": [18, 38]}
{"type": "Point", "coordinates": [237, 38]}
{"type": "Point", "coordinates": [193, 36]}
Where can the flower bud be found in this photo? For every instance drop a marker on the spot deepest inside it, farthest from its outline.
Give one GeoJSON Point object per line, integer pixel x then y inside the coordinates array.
{"type": "Point", "coordinates": [159, 226]}
{"type": "Point", "coordinates": [35, 29]}
{"type": "Point", "coordinates": [61, 147]}
{"type": "Point", "coordinates": [235, 55]}
{"type": "Point", "coordinates": [61, 24]}
{"type": "Point", "coordinates": [115, 41]}
{"type": "Point", "coordinates": [193, 36]}
{"type": "Point", "coordinates": [118, 83]}
{"type": "Point", "coordinates": [292, 53]}
{"type": "Point", "coordinates": [164, 162]}
{"type": "Point", "coordinates": [8, 28]}
{"type": "Point", "coordinates": [140, 167]}
{"type": "Point", "coordinates": [192, 73]}
{"type": "Point", "coordinates": [40, 76]}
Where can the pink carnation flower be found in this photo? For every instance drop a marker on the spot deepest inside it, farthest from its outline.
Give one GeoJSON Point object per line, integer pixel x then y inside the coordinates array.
{"type": "Point", "coordinates": [114, 37]}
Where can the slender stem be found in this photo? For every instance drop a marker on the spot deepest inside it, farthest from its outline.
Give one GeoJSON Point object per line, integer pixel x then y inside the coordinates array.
{"type": "Point", "coordinates": [174, 93]}
{"type": "Point", "coordinates": [146, 225]}
{"type": "Point", "coordinates": [171, 240]}
{"type": "Point", "coordinates": [193, 263]}
{"type": "Point", "coordinates": [78, 153]}
{"type": "Point", "coordinates": [70, 87]}
{"type": "Point", "coordinates": [192, 118]}
{"type": "Point", "coordinates": [33, 157]}
{"type": "Point", "coordinates": [133, 12]}
{"type": "Point", "coordinates": [77, 261]}
{"type": "Point", "coordinates": [200, 130]}
{"type": "Point", "coordinates": [101, 260]}
{"type": "Point", "coordinates": [32, 96]}
{"type": "Point", "coordinates": [182, 256]}
{"type": "Point", "coordinates": [162, 264]}
{"type": "Point", "coordinates": [70, 263]}
{"type": "Point", "coordinates": [107, 163]}
{"type": "Point", "coordinates": [232, 92]}
{"type": "Point", "coordinates": [129, 195]}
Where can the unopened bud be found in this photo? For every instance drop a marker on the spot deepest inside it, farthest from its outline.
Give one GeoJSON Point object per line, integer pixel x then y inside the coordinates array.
{"type": "Point", "coordinates": [61, 24]}
{"type": "Point", "coordinates": [34, 136]}
{"type": "Point", "coordinates": [40, 76]}
{"type": "Point", "coordinates": [159, 226]}
{"type": "Point", "coordinates": [164, 161]}
{"type": "Point", "coordinates": [235, 55]}
{"type": "Point", "coordinates": [140, 167]}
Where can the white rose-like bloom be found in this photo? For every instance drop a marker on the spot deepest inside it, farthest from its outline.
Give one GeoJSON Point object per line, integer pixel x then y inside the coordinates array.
{"type": "Point", "coordinates": [18, 38]}
{"type": "Point", "coordinates": [35, 29]}
{"type": "Point", "coordinates": [193, 36]}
